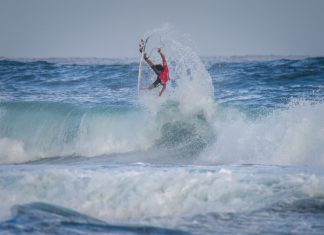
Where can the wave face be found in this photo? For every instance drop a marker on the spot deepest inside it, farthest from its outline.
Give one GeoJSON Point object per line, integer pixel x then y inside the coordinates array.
{"type": "Point", "coordinates": [35, 130]}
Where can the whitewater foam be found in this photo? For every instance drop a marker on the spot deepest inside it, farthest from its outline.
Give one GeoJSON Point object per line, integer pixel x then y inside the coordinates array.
{"type": "Point", "coordinates": [293, 135]}
{"type": "Point", "coordinates": [113, 193]}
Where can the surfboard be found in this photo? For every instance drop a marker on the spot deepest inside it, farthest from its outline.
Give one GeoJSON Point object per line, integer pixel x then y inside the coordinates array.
{"type": "Point", "coordinates": [142, 47]}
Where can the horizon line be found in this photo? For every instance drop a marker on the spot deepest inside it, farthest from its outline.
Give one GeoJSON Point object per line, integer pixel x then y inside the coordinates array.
{"type": "Point", "coordinates": [134, 57]}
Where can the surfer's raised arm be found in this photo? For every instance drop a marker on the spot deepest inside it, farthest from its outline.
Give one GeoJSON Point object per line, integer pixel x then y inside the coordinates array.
{"type": "Point", "coordinates": [161, 54]}
{"type": "Point", "coordinates": [163, 58]}
{"type": "Point", "coordinates": [148, 61]}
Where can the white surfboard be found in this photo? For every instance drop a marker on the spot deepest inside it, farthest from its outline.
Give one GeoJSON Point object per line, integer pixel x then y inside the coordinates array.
{"type": "Point", "coordinates": [142, 45]}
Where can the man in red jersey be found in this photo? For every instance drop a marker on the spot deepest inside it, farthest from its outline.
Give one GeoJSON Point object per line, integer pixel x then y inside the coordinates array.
{"type": "Point", "coordinates": [162, 72]}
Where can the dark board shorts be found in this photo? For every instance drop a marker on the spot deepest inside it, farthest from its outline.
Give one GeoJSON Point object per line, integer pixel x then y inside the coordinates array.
{"type": "Point", "coordinates": [157, 82]}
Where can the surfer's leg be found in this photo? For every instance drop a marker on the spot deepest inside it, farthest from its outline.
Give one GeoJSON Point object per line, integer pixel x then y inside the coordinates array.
{"type": "Point", "coordinates": [151, 86]}
{"type": "Point", "coordinates": [163, 89]}
{"type": "Point", "coordinates": [154, 84]}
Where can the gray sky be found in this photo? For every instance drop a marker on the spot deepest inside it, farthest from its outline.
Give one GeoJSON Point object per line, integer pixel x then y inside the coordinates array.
{"type": "Point", "coordinates": [112, 28]}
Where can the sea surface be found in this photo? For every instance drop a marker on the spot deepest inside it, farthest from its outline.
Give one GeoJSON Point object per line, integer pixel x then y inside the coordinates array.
{"type": "Point", "coordinates": [234, 146]}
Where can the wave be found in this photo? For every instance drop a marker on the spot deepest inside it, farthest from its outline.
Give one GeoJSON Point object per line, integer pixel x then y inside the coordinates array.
{"type": "Point", "coordinates": [276, 71]}
{"type": "Point", "coordinates": [55, 82]}
{"type": "Point", "coordinates": [115, 193]}
{"type": "Point", "coordinates": [69, 61]}
{"type": "Point", "coordinates": [287, 136]}
{"type": "Point", "coordinates": [35, 130]}
{"type": "Point", "coordinates": [307, 205]}
{"type": "Point", "coordinates": [211, 60]}
{"type": "Point", "coordinates": [43, 218]}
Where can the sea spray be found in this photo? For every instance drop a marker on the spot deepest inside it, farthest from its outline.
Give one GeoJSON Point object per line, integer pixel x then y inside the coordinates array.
{"type": "Point", "coordinates": [191, 85]}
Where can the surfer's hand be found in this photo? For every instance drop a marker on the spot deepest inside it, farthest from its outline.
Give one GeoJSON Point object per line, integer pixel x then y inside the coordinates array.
{"type": "Point", "coordinates": [145, 56]}
{"type": "Point", "coordinates": [159, 50]}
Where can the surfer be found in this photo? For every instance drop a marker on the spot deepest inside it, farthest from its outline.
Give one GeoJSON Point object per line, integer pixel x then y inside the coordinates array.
{"type": "Point", "coordinates": [161, 70]}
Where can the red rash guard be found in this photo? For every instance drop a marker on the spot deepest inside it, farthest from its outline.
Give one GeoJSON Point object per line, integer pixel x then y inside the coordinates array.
{"type": "Point", "coordinates": [164, 76]}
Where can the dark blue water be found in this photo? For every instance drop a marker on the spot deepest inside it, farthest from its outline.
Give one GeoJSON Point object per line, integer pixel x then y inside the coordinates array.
{"type": "Point", "coordinates": [234, 146]}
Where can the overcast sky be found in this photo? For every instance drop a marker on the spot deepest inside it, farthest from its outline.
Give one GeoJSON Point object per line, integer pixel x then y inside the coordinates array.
{"type": "Point", "coordinates": [112, 28]}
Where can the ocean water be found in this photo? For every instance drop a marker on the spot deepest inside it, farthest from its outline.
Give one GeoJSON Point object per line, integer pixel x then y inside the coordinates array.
{"type": "Point", "coordinates": [234, 146]}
